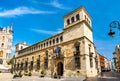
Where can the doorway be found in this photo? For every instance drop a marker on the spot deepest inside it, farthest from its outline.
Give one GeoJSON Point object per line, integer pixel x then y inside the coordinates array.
{"type": "Point", "coordinates": [60, 68]}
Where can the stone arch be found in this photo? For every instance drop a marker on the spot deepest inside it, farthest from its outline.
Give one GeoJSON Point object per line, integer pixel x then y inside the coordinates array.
{"type": "Point", "coordinates": [60, 68]}
{"type": "Point", "coordinates": [77, 43]}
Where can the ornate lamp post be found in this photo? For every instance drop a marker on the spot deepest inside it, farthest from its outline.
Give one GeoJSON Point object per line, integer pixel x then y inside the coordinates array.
{"type": "Point", "coordinates": [114, 24]}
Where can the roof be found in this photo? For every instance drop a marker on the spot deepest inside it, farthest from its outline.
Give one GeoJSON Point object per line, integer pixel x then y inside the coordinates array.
{"type": "Point", "coordinates": [79, 8]}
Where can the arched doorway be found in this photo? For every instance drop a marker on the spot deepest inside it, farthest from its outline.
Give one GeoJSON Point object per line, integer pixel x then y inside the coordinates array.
{"type": "Point", "coordinates": [60, 68]}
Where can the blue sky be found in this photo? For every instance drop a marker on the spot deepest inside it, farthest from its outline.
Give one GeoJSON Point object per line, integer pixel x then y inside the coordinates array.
{"type": "Point", "coordinates": [36, 20]}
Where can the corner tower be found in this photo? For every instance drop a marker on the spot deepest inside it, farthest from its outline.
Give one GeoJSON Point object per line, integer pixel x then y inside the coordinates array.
{"type": "Point", "coordinates": [78, 31]}
{"type": "Point", "coordinates": [77, 24]}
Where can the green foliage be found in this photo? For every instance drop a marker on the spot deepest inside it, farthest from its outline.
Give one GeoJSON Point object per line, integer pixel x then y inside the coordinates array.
{"type": "Point", "coordinates": [43, 72]}
{"type": "Point", "coordinates": [26, 73]}
{"type": "Point", "coordinates": [55, 75]}
{"type": "Point", "coordinates": [11, 62]}
{"type": "Point", "coordinates": [20, 73]}
{"type": "Point", "coordinates": [29, 73]}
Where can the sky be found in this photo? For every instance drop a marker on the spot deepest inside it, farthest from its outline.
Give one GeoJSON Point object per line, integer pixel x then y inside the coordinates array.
{"type": "Point", "coordinates": [36, 20]}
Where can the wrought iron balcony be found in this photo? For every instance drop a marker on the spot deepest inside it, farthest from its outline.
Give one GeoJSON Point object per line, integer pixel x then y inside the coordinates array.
{"type": "Point", "coordinates": [59, 56]}
{"type": "Point", "coordinates": [76, 53]}
{"type": "Point", "coordinates": [91, 54]}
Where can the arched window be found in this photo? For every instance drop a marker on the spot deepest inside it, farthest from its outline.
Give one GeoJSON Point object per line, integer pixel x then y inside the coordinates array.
{"type": "Point", "coordinates": [68, 21]}
{"type": "Point", "coordinates": [50, 42]}
{"type": "Point", "coordinates": [77, 17]}
{"type": "Point", "coordinates": [57, 40]}
{"type": "Point", "coordinates": [41, 45]}
{"type": "Point", "coordinates": [53, 41]}
{"type": "Point", "coordinates": [46, 43]}
{"type": "Point", "coordinates": [72, 19]}
{"type": "Point", "coordinates": [61, 38]}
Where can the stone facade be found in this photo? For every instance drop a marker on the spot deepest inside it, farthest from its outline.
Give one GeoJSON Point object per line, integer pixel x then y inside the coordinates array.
{"type": "Point", "coordinates": [70, 53]}
{"type": "Point", "coordinates": [6, 36]}
{"type": "Point", "coordinates": [117, 58]}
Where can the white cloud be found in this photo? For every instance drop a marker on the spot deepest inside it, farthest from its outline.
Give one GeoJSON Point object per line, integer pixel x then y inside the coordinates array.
{"type": "Point", "coordinates": [47, 31]}
{"type": "Point", "coordinates": [21, 11]}
{"type": "Point", "coordinates": [56, 4]}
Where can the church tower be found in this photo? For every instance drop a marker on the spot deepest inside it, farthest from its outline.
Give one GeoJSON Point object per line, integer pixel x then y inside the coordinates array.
{"type": "Point", "coordinates": [6, 37]}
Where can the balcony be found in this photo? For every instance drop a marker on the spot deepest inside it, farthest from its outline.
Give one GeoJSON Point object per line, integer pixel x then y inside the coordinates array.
{"type": "Point", "coordinates": [76, 53]}
{"type": "Point", "coordinates": [59, 56]}
{"type": "Point", "coordinates": [91, 54]}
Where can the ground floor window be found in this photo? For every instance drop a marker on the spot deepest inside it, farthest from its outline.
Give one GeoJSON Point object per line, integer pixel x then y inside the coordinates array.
{"type": "Point", "coordinates": [1, 61]}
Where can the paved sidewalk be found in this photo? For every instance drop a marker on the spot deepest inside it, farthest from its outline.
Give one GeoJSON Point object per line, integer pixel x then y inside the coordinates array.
{"type": "Point", "coordinates": [36, 78]}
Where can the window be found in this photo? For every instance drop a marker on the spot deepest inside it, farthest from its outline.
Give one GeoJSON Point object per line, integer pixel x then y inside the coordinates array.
{"type": "Point", "coordinates": [50, 42]}
{"type": "Point", "coordinates": [72, 19]}
{"type": "Point", "coordinates": [57, 40]}
{"type": "Point", "coordinates": [90, 54]}
{"type": "Point", "coordinates": [1, 61]}
{"type": "Point", "coordinates": [21, 66]}
{"type": "Point", "coordinates": [77, 17]}
{"type": "Point", "coordinates": [53, 41]}
{"type": "Point", "coordinates": [61, 39]}
{"type": "Point", "coordinates": [77, 62]}
{"type": "Point", "coordinates": [38, 63]}
{"type": "Point", "coordinates": [2, 45]}
{"type": "Point", "coordinates": [77, 55]}
{"type": "Point", "coordinates": [21, 47]}
{"type": "Point", "coordinates": [46, 43]}
{"type": "Point", "coordinates": [26, 65]}
{"type": "Point", "coordinates": [85, 17]}
{"type": "Point", "coordinates": [46, 60]}
{"type": "Point", "coordinates": [41, 45]}
{"type": "Point", "coordinates": [31, 63]}
{"type": "Point", "coordinates": [68, 22]}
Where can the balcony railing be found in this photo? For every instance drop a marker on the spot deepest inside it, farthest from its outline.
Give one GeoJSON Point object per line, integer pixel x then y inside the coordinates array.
{"type": "Point", "coordinates": [59, 56]}
{"type": "Point", "coordinates": [76, 53]}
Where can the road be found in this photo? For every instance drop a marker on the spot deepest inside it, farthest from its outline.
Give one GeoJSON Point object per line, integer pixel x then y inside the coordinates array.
{"type": "Point", "coordinates": [107, 76]}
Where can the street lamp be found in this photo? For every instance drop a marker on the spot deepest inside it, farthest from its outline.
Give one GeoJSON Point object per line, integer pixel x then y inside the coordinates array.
{"type": "Point", "coordinates": [114, 24]}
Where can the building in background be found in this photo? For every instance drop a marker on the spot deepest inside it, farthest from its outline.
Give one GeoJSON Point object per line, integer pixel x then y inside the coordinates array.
{"type": "Point", "coordinates": [108, 64]}
{"type": "Point", "coordinates": [116, 58]}
{"type": "Point", "coordinates": [6, 37]}
{"type": "Point", "coordinates": [70, 53]}
{"type": "Point", "coordinates": [102, 62]}
{"type": "Point", "coordinates": [98, 63]}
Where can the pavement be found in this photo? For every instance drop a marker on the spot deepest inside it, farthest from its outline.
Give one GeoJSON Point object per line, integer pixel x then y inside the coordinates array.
{"type": "Point", "coordinates": [107, 76]}
{"type": "Point", "coordinates": [36, 78]}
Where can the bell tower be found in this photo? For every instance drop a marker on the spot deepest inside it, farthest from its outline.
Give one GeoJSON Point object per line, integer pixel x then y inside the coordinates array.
{"type": "Point", "coordinates": [6, 37]}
